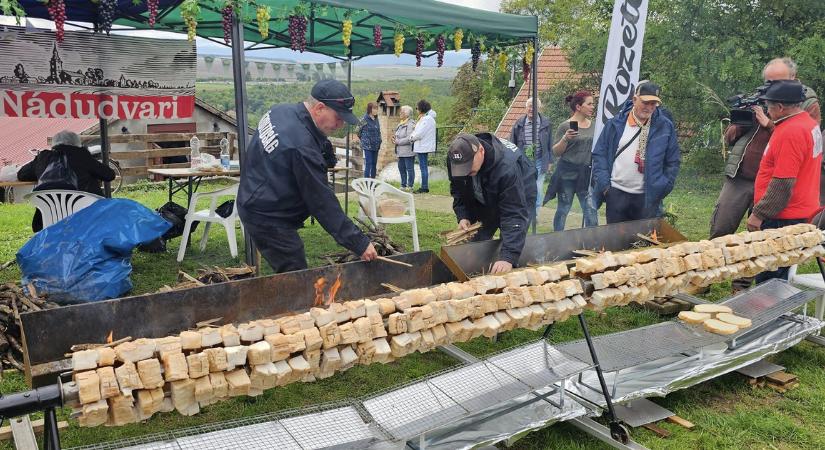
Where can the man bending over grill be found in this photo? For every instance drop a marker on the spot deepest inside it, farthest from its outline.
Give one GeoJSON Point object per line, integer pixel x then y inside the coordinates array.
{"type": "Point", "coordinates": [492, 181]}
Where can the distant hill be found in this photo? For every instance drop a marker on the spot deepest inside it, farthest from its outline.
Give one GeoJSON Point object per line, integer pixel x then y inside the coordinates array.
{"type": "Point", "coordinates": [286, 65]}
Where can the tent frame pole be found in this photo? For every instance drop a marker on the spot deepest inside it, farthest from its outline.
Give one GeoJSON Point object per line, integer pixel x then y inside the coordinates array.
{"type": "Point", "coordinates": [349, 128]}
{"type": "Point", "coordinates": [534, 89]}
{"type": "Point", "coordinates": [239, 80]}
{"type": "Point", "coordinates": [104, 153]}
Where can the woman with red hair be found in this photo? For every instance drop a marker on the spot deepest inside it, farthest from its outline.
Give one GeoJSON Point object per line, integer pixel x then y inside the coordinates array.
{"type": "Point", "coordinates": [572, 152]}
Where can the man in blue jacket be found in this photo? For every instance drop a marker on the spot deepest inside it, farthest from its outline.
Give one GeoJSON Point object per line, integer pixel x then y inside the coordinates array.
{"type": "Point", "coordinates": [636, 159]}
{"type": "Point", "coordinates": [491, 181]}
{"type": "Point", "coordinates": [284, 178]}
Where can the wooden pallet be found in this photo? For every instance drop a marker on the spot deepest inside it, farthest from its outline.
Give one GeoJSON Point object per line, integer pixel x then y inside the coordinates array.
{"type": "Point", "coordinates": [780, 381]}
{"type": "Point", "coordinates": [663, 433]}
{"type": "Point", "coordinates": [667, 306]}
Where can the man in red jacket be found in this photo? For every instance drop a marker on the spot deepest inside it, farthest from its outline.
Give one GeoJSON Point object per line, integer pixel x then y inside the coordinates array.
{"type": "Point", "coordinates": [786, 190]}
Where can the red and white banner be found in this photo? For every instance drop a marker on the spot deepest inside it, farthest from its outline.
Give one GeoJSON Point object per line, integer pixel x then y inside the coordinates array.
{"type": "Point", "coordinates": [622, 60]}
{"type": "Point", "coordinates": [91, 75]}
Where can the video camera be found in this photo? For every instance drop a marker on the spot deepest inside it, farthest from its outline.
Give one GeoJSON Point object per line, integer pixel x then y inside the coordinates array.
{"type": "Point", "coordinates": [740, 106]}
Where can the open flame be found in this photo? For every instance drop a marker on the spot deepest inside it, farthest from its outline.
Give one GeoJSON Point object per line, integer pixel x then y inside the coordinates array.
{"type": "Point", "coordinates": [333, 290]}
{"type": "Point", "coordinates": [320, 283]}
{"type": "Point", "coordinates": [109, 337]}
{"type": "Point", "coordinates": [654, 236]}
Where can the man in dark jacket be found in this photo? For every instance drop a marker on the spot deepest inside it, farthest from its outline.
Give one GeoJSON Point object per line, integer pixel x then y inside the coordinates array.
{"type": "Point", "coordinates": [493, 182]}
{"type": "Point", "coordinates": [636, 159]}
{"type": "Point", "coordinates": [522, 136]}
{"type": "Point", "coordinates": [86, 171]}
{"type": "Point", "coordinates": [284, 178]}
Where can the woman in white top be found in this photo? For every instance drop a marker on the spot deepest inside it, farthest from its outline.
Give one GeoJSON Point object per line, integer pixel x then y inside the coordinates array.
{"type": "Point", "coordinates": [424, 138]}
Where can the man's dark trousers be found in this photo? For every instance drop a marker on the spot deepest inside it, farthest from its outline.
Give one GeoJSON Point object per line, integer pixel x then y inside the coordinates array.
{"type": "Point", "coordinates": [621, 206]}
{"type": "Point", "coordinates": [281, 247]}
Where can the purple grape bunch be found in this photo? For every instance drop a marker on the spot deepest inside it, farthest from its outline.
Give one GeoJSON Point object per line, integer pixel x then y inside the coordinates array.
{"type": "Point", "coordinates": [377, 35]}
{"type": "Point", "coordinates": [476, 54]}
{"type": "Point", "coordinates": [106, 14]}
{"type": "Point", "coordinates": [298, 32]}
{"type": "Point", "coordinates": [440, 48]}
{"type": "Point", "coordinates": [152, 5]}
{"type": "Point", "coordinates": [57, 11]}
{"type": "Point", "coordinates": [226, 22]}
{"type": "Point", "coordinates": [419, 49]}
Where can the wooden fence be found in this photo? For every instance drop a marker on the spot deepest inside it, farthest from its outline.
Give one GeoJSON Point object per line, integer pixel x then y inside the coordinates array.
{"type": "Point", "coordinates": [153, 153]}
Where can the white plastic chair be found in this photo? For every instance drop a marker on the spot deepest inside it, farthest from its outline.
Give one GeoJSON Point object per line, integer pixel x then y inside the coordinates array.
{"type": "Point", "coordinates": [811, 280]}
{"type": "Point", "coordinates": [57, 204]}
{"type": "Point", "coordinates": [370, 191]}
{"type": "Point", "coordinates": [208, 217]}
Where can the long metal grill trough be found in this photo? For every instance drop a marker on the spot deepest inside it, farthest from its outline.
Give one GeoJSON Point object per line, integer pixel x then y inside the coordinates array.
{"type": "Point", "coordinates": [324, 427]}
{"type": "Point", "coordinates": [49, 334]}
{"type": "Point", "coordinates": [443, 398]}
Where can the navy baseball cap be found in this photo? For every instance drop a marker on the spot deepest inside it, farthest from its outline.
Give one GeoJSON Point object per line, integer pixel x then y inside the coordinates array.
{"type": "Point", "coordinates": [461, 154]}
{"type": "Point", "coordinates": [648, 92]}
{"type": "Point", "coordinates": [785, 91]}
{"type": "Point", "coordinates": [335, 95]}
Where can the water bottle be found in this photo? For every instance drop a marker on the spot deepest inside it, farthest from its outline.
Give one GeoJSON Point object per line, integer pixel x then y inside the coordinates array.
{"type": "Point", "coordinates": [195, 154]}
{"type": "Point", "coordinates": [224, 154]}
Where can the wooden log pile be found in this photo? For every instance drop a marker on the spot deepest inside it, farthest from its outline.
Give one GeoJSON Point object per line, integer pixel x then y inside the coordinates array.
{"type": "Point", "coordinates": [210, 275]}
{"type": "Point", "coordinates": [459, 236]}
{"type": "Point", "coordinates": [186, 372]}
{"type": "Point", "coordinates": [382, 242]}
{"type": "Point", "coordinates": [13, 302]}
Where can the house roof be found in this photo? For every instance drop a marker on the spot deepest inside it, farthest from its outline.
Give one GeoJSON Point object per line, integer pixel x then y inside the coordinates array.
{"type": "Point", "coordinates": [553, 67]}
{"type": "Point", "coordinates": [21, 134]}
{"type": "Point", "coordinates": [389, 97]}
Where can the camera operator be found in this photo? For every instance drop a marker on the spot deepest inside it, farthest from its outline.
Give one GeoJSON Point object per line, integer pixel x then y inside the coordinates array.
{"type": "Point", "coordinates": [748, 143]}
{"type": "Point", "coordinates": [786, 190]}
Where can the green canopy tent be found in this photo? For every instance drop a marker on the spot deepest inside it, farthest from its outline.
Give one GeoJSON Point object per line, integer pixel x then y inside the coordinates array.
{"type": "Point", "coordinates": [325, 19]}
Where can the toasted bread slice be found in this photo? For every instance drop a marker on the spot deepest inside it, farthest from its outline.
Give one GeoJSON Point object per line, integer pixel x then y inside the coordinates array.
{"type": "Point", "coordinates": [712, 309]}
{"type": "Point", "coordinates": [740, 322]}
{"type": "Point", "coordinates": [693, 317]}
{"type": "Point", "coordinates": [719, 327]}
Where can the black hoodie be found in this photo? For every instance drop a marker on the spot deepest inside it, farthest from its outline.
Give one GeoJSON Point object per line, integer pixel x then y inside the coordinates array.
{"type": "Point", "coordinates": [508, 186]}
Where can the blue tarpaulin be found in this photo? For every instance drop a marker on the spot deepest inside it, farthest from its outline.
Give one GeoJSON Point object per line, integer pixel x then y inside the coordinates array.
{"type": "Point", "coordinates": [86, 256]}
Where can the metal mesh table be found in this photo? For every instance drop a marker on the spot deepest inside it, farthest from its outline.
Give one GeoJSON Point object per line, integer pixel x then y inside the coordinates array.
{"type": "Point", "coordinates": [765, 303]}
{"type": "Point", "coordinates": [337, 426]}
{"type": "Point", "coordinates": [441, 399]}
{"type": "Point", "coordinates": [538, 364]}
{"type": "Point", "coordinates": [629, 348]}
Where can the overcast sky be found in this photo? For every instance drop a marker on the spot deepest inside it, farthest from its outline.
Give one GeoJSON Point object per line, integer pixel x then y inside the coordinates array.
{"type": "Point", "coordinates": [490, 5]}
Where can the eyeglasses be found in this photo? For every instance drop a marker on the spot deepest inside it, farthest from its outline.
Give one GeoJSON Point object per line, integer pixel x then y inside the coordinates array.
{"type": "Point", "coordinates": [347, 102]}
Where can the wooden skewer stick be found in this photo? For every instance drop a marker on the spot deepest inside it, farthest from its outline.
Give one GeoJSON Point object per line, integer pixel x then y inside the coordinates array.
{"type": "Point", "coordinates": [400, 263]}
{"type": "Point", "coordinates": [648, 239]}
{"type": "Point", "coordinates": [392, 287]}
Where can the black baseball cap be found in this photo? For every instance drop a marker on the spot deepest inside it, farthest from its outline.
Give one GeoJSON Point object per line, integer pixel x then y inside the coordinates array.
{"type": "Point", "coordinates": [648, 91]}
{"type": "Point", "coordinates": [785, 91]}
{"type": "Point", "coordinates": [461, 154]}
{"type": "Point", "coordinates": [335, 95]}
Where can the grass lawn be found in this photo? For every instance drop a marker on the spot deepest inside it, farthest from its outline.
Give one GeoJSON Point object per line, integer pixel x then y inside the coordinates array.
{"type": "Point", "coordinates": [727, 412]}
